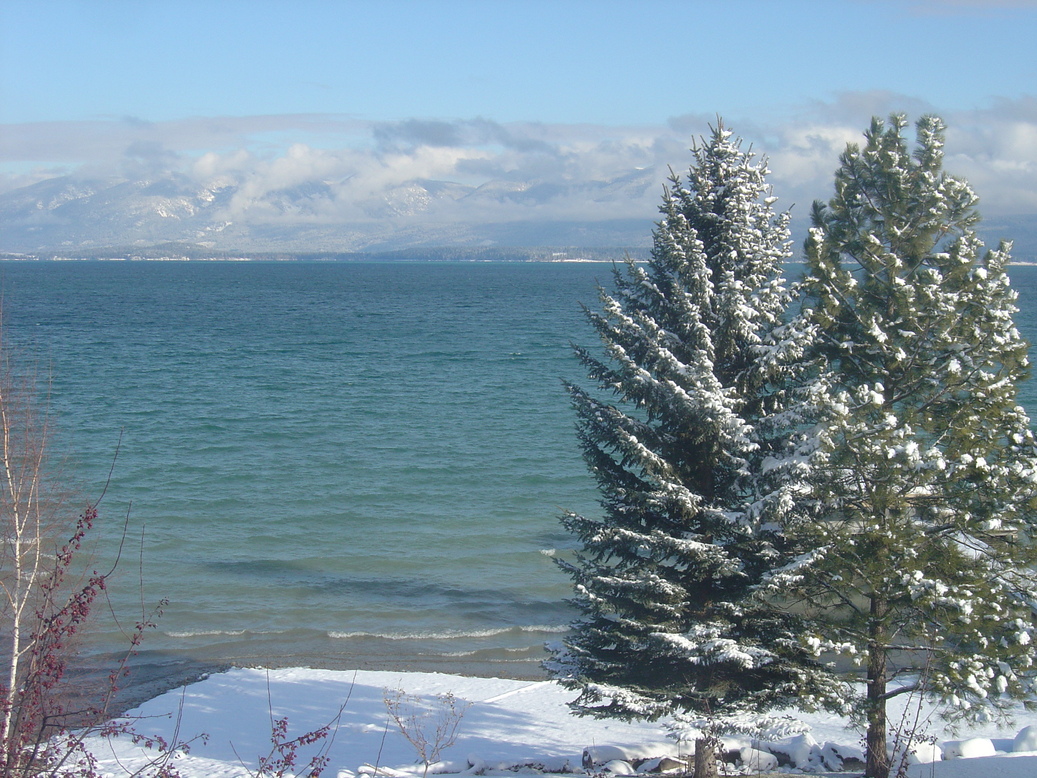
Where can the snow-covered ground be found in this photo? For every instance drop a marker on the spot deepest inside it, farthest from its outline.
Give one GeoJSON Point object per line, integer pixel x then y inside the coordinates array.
{"type": "Point", "coordinates": [507, 724]}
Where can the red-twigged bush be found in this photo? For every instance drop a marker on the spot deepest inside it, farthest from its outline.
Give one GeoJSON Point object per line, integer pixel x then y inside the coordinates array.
{"type": "Point", "coordinates": [46, 599]}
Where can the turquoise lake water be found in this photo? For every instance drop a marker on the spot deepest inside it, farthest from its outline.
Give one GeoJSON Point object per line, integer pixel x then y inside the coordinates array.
{"type": "Point", "coordinates": [333, 464]}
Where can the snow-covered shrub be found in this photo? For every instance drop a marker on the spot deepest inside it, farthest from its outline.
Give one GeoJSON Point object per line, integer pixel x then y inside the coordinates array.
{"type": "Point", "coordinates": [802, 751]}
{"type": "Point", "coordinates": [968, 749]}
{"type": "Point", "coordinates": [838, 757]}
{"type": "Point", "coordinates": [1026, 739]}
{"type": "Point", "coordinates": [758, 761]}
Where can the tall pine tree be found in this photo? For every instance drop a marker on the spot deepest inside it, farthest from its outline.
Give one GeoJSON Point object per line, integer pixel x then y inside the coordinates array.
{"type": "Point", "coordinates": [918, 557]}
{"type": "Point", "coordinates": [687, 433]}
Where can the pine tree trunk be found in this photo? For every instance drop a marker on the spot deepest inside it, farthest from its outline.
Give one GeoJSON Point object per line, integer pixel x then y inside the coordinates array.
{"type": "Point", "coordinates": [705, 758]}
{"type": "Point", "coordinates": [877, 759]}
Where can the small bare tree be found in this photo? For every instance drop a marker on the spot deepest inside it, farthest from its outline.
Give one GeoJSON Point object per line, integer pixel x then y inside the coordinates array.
{"type": "Point", "coordinates": [430, 726]}
{"type": "Point", "coordinates": [38, 612]}
{"type": "Point", "coordinates": [46, 596]}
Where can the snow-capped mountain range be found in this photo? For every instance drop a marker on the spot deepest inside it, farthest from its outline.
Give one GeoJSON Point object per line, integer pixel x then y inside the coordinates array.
{"type": "Point", "coordinates": [81, 213]}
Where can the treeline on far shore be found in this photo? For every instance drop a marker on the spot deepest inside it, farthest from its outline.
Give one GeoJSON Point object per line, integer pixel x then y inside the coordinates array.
{"type": "Point", "coordinates": [186, 251]}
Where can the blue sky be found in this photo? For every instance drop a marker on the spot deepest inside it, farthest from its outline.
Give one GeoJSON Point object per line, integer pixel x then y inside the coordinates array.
{"type": "Point", "coordinates": [557, 61]}
{"type": "Point", "coordinates": [463, 89]}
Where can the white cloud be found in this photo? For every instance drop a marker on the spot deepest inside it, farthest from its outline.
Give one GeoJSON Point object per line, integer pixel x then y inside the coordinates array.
{"type": "Point", "coordinates": [213, 165]}
{"type": "Point", "coordinates": [567, 171]}
{"type": "Point", "coordinates": [804, 159]}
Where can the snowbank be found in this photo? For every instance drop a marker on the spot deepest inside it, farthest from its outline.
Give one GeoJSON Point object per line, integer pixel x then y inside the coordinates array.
{"type": "Point", "coordinates": [507, 723]}
{"type": "Point", "coordinates": [1002, 766]}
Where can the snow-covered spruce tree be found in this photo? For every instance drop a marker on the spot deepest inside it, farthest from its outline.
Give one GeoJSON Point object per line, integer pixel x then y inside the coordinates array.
{"type": "Point", "coordinates": [688, 435]}
{"type": "Point", "coordinates": [919, 559]}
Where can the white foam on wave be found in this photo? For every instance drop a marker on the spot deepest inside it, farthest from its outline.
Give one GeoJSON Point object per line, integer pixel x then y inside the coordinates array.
{"type": "Point", "coordinates": [206, 633]}
{"type": "Point", "coordinates": [546, 628]}
{"type": "Point", "coordinates": [524, 650]}
{"type": "Point", "coordinates": [449, 634]}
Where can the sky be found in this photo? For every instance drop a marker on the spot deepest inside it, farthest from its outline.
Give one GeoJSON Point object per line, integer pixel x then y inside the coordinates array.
{"type": "Point", "coordinates": [382, 91]}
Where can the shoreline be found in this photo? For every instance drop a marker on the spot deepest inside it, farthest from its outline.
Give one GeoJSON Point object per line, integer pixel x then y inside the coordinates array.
{"type": "Point", "coordinates": [151, 674]}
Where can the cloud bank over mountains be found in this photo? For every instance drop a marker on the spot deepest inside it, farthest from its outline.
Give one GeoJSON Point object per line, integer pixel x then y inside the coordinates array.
{"type": "Point", "coordinates": [321, 182]}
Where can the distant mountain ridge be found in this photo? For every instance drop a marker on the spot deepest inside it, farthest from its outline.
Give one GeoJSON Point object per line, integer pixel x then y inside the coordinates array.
{"type": "Point", "coordinates": [85, 216]}
{"type": "Point", "coordinates": [79, 213]}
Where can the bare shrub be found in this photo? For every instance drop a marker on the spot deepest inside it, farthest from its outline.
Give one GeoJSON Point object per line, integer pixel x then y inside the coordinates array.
{"type": "Point", "coordinates": [285, 752]}
{"type": "Point", "coordinates": [429, 725]}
